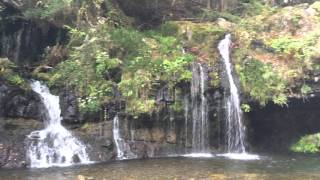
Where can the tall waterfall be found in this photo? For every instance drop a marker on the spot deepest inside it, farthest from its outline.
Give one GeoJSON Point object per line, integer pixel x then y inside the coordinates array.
{"type": "Point", "coordinates": [235, 129]}
{"type": "Point", "coordinates": [199, 116]}
{"type": "Point", "coordinates": [54, 145]}
{"type": "Point", "coordinates": [123, 149]}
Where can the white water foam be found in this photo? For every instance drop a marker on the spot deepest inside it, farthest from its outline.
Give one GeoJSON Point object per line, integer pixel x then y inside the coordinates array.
{"type": "Point", "coordinates": [54, 145]}
{"type": "Point", "coordinates": [199, 155]}
{"type": "Point", "coordinates": [240, 156]}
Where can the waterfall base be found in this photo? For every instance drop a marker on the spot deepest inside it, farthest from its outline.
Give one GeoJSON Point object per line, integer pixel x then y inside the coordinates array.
{"type": "Point", "coordinates": [240, 156]}
{"type": "Point", "coordinates": [54, 145]}
{"type": "Point", "coordinates": [199, 155]}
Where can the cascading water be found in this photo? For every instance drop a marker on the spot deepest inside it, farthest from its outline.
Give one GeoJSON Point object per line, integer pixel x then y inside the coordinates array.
{"type": "Point", "coordinates": [199, 106]}
{"type": "Point", "coordinates": [186, 118]}
{"type": "Point", "coordinates": [54, 145]}
{"type": "Point", "coordinates": [123, 149]}
{"type": "Point", "coordinates": [235, 129]}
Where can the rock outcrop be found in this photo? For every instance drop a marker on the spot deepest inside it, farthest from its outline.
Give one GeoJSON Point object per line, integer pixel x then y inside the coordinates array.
{"type": "Point", "coordinates": [16, 102]}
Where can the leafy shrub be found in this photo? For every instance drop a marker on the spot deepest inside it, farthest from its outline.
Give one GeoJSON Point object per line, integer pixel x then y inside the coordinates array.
{"type": "Point", "coordinates": [262, 82]}
{"type": "Point", "coordinates": [87, 67]}
{"type": "Point", "coordinates": [9, 73]}
{"type": "Point", "coordinates": [297, 48]}
{"type": "Point", "coordinates": [307, 144]}
{"type": "Point", "coordinates": [150, 57]}
{"type": "Point", "coordinates": [143, 57]}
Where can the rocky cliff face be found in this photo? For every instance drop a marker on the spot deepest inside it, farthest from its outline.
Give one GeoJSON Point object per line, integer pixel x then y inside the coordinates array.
{"type": "Point", "coordinates": [276, 129]}
{"type": "Point", "coordinates": [23, 41]}
{"type": "Point", "coordinates": [16, 102]}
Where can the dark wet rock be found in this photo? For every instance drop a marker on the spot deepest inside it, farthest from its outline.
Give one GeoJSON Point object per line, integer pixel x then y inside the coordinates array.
{"type": "Point", "coordinates": [23, 41]}
{"type": "Point", "coordinates": [12, 137]}
{"type": "Point", "coordinates": [69, 107]}
{"type": "Point", "coordinates": [98, 138]}
{"type": "Point", "coordinates": [18, 102]}
{"type": "Point", "coordinates": [276, 128]}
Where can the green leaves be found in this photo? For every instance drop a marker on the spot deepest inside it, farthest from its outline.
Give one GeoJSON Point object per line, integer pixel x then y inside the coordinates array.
{"type": "Point", "coordinates": [149, 57]}
{"type": "Point", "coordinates": [262, 83]}
{"type": "Point", "coordinates": [9, 72]}
{"type": "Point", "coordinates": [143, 59]}
{"type": "Point", "coordinates": [48, 9]}
{"type": "Point", "coordinates": [300, 49]}
{"type": "Point", "coordinates": [104, 63]}
{"type": "Point", "coordinates": [246, 107]}
{"type": "Point", "coordinates": [307, 144]}
{"type": "Point", "coordinates": [305, 89]}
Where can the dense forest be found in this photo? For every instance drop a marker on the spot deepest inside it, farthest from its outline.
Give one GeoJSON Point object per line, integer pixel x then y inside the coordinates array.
{"type": "Point", "coordinates": [144, 71]}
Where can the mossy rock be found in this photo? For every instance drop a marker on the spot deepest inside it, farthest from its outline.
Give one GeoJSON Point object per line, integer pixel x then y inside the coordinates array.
{"type": "Point", "coordinates": [203, 38]}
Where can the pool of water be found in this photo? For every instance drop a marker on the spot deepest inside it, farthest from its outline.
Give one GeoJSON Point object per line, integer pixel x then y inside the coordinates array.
{"type": "Point", "coordinates": [184, 168]}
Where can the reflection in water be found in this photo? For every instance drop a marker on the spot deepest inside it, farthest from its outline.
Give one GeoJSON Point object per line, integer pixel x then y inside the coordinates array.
{"type": "Point", "coordinates": [290, 168]}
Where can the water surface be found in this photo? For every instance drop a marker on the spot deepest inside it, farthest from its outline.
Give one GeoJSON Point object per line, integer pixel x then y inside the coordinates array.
{"type": "Point", "coordinates": [268, 167]}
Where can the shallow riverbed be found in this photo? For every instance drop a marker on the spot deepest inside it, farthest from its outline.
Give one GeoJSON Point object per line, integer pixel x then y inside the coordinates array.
{"type": "Point", "coordinates": [268, 167]}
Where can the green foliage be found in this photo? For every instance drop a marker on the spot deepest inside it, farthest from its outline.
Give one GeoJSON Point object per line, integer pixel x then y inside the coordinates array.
{"type": "Point", "coordinates": [297, 48]}
{"type": "Point", "coordinates": [295, 19]}
{"type": "Point", "coordinates": [212, 15]}
{"type": "Point", "coordinates": [8, 71]}
{"type": "Point", "coordinates": [143, 57]}
{"type": "Point", "coordinates": [262, 82]}
{"type": "Point", "coordinates": [252, 8]}
{"type": "Point", "coordinates": [130, 42]}
{"type": "Point", "coordinates": [246, 107]}
{"type": "Point", "coordinates": [215, 79]}
{"type": "Point", "coordinates": [167, 29]}
{"type": "Point", "coordinates": [47, 9]}
{"type": "Point", "coordinates": [105, 63]}
{"type": "Point", "coordinates": [176, 68]}
{"type": "Point", "coordinates": [203, 34]}
{"type": "Point", "coordinates": [307, 144]}
{"type": "Point", "coordinates": [149, 57]}
{"type": "Point", "coordinates": [87, 68]}
{"type": "Point", "coordinates": [305, 89]}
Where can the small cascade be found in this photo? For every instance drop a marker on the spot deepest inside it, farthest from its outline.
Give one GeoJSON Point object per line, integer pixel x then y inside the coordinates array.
{"type": "Point", "coordinates": [123, 149]}
{"type": "Point", "coordinates": [54, 145]}
{"type": "Point", "coordinates": [235, 129]}
{"type": "Point", "coordinates": [199, 114]}
{"type": "Point", "coordinates": [132, 132]}
{"type": "Point", "coordinates": [186, 118]}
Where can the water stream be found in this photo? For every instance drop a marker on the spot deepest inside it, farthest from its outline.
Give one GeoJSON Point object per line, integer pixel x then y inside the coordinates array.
{"type": "Point", "coordinates": [235, 129]}
{"type": "Point", "coordinates": [199, 116]}
{"type": "Point", "coordinates": [54, 145]}
{"type": "Point", "coordinates": [122, 147]}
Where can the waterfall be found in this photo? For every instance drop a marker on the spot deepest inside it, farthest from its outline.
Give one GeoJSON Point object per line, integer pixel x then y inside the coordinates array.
{"type": "Point", "coordinates": [235, 129]}
{"type": "Point", "coordinates": [186, 118]}
{"type": "Point", "coordinates": [123, 149]}
{"type": "Point", "coordinates": [54, 145]}
{"type": "Point", "coordinates": [199, 114]}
